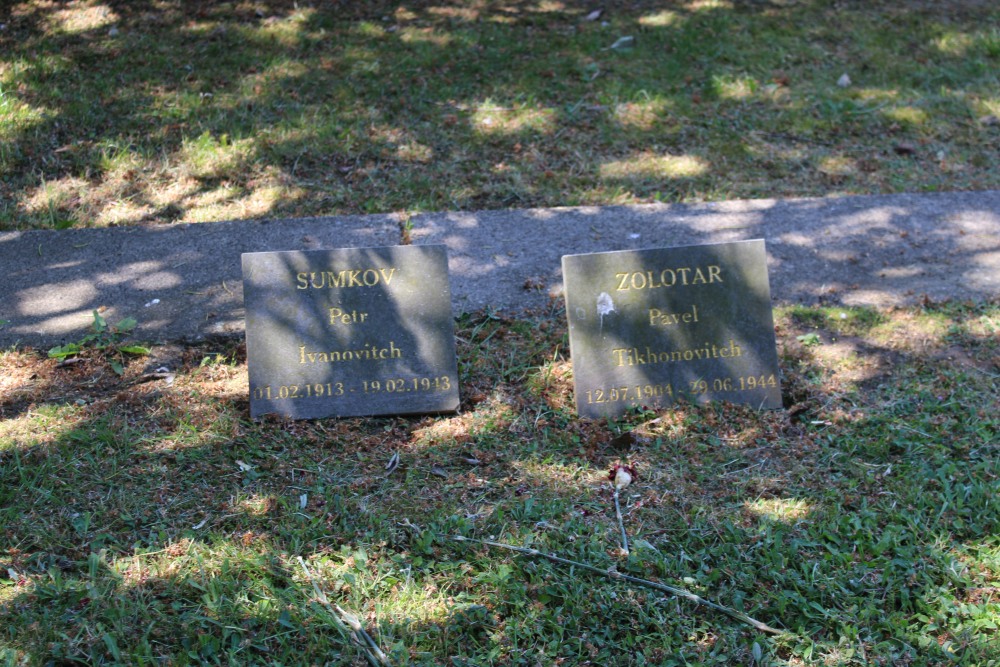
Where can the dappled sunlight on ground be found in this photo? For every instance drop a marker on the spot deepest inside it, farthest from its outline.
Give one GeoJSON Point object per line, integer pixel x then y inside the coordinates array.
{"type": "Point", "coordinates": [19, 375]}
{"type": "Point", "coordinates": [908, 115]}
{"type": "Point", "coordinates": [48, 198]}
{"type": "Point", "coordinates": [490, 119]}
{"type": "Point", "coordinates": [256, 504]}
{"type": "Point", "coordinates": [650, 166]}
{"type": "Point", "coordinates": [208, 157]}
{"type": "Point", "coordinates": [661, 19]}
{"type": "Point", "coordinates": [273, 109]}
{"type": "Point", "coordinates": [494, 414]}
{"type": "Point", "coordinates": [167, 514]}
{"type": "Point", "coordinates": [80, 16]}
{"type": "Point", "coordinates": [641, 116]}
{"type": "Point", "coordinates": [40, 426]}
{"type": "Point", "coordinates": [438, 38]}
{"type": "Point", "coordinates": [553, 381]}
{"type": "Point", "coordinates": [553, 477]}
{"type": "Point", "coordinates": [732, 87]}
{"type": "Point", "coordinates": [787, 510]}
{"type": "Point", "coordinates": [400, 599]}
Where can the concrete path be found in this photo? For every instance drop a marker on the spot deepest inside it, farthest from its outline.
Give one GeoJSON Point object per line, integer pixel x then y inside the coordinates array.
{"type": "Point", "coordinates": [183, 282]}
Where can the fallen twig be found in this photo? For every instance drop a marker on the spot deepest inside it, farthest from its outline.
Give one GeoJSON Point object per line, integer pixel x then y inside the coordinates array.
{"type": "Point", "coordinates": [349, 624]}
{"type": "Point", "coordinates": [613, 574]}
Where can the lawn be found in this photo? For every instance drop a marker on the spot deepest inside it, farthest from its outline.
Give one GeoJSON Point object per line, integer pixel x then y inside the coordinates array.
{"type": "Point", "coordinates": [146, 519]}
{"type": "Point", "coordinates": [116, 113]}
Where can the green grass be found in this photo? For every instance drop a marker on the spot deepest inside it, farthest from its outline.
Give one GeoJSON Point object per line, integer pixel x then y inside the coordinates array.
{"type": "Point", "coordinates": [147, 523]}
{"type": "Point", "coordinates": [120, 113]}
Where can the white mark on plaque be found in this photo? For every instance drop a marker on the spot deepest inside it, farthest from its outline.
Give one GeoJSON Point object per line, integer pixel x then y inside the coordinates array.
{"type": "Point", "coordinates": [605, 306]}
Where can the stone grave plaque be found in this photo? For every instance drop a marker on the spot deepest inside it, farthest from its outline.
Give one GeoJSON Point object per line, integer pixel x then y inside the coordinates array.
{"type": "Point", "coordinates": [654, 327]}
{"type": "Point", "coordinates": [350, 332]}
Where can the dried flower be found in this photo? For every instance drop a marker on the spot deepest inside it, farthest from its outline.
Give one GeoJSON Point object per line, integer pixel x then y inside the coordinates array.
{"type": "Point", "coordinates": [621, 476]}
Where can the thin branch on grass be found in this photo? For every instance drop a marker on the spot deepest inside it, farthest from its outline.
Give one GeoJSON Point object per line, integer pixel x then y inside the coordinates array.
{"type": "Point", "coordinates": [349, 624]}
{"type": "Point", "coordinates": [612, 574]}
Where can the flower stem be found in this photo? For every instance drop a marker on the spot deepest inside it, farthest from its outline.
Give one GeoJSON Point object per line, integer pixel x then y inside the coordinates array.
{"type": "Point", "coordinates": [621, 523]}
{"type": "Point", "coordinates": [612, 574]}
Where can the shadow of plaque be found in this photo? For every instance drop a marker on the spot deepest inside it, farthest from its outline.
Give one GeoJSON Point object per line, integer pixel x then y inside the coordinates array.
{"type": "Point", "coordinates": [654, 327]}
{"type": "Point", "coordinates": [350, 332]}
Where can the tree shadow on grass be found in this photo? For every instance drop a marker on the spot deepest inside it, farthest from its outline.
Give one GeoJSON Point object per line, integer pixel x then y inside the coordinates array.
{"type": "Point", "coordinates": [165, 524]}
{"type": "Point", "coordinates": [235, 112]}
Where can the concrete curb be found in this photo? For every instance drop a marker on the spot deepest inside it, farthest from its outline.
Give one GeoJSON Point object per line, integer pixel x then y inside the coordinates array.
{"type": "Point", "coordinates": [183, 282]}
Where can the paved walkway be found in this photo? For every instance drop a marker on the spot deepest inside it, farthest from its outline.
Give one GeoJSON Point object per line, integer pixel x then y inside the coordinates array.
{"type": "Point", "coordinates": [183, 282]}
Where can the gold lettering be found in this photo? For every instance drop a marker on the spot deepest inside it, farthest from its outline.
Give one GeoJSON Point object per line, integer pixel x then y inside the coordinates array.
{"type": "Point", "coordinates": [632, 356]}
{"type": "Point", "coordinates": [686, 275]}
{"type": "Point", "coordinates": [659, 318]}
{"type": "Point", "coordinates": [338, 316]}
{"type": "Point", "coordinates": [369, 352]}
{"type": "Point", "coordinates": [363, 277]}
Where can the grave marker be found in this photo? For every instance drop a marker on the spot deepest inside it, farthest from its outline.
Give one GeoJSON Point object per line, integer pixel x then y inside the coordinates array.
{"type": "Point", "coordinates": [654, 327]}
{"type": "Point", "coordinates": [350, 332]}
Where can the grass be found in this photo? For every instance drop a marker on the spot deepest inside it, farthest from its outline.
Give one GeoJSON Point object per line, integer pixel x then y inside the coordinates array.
{"type": "Point", "coordinates": [147, 522]}
{"type": "Point", "coordinates": [117, 113]}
